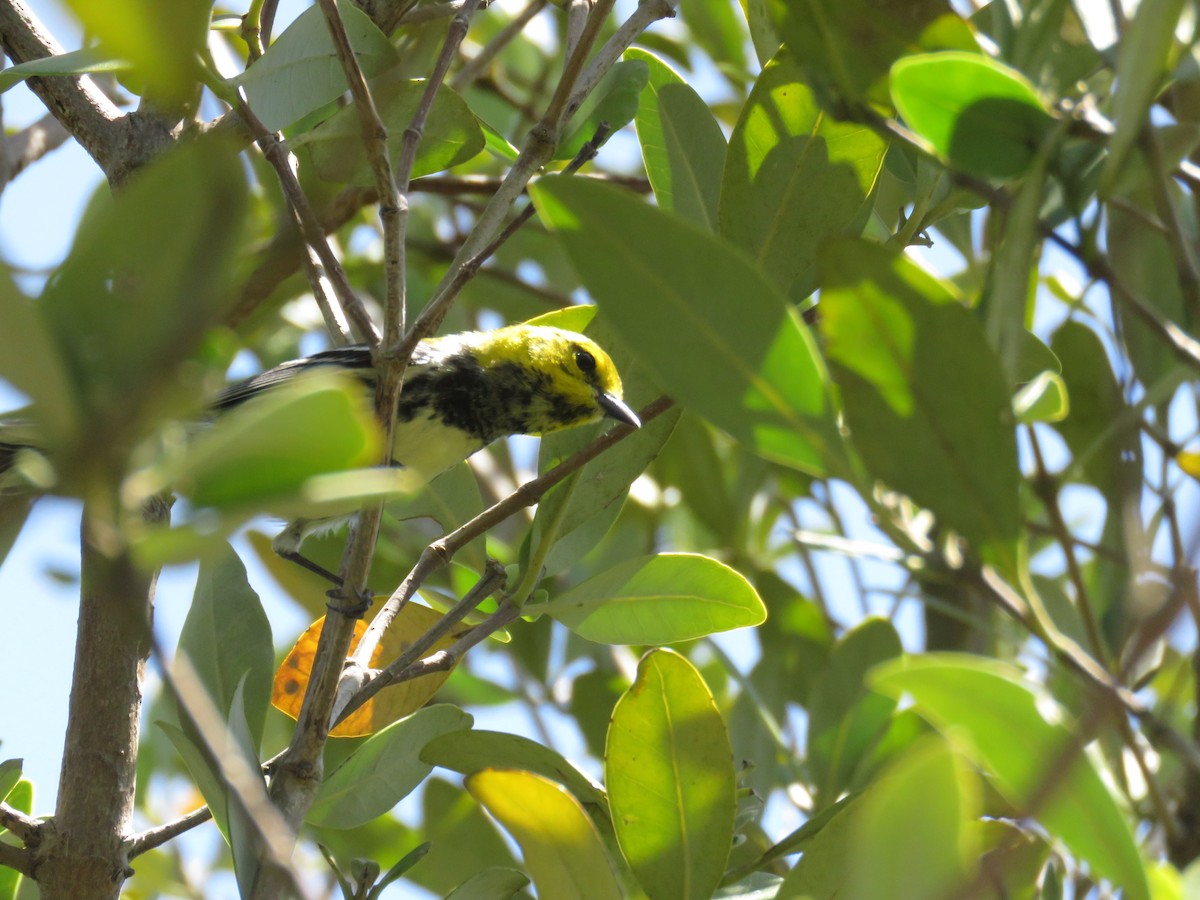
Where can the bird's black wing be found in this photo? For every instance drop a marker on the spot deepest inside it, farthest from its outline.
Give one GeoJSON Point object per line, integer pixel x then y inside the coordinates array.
{"type": "Point", "coordinates": [356, 360]}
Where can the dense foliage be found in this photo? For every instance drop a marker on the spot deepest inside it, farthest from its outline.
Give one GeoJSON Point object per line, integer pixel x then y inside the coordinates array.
{"type": "Point", "coordinates": [906, 293]}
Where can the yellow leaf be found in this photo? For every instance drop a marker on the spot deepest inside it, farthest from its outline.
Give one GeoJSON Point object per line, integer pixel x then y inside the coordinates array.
{"type": "Point", "coordinates": [390, 704]}
{"type": "Point", "coordinates": [1189, 461]}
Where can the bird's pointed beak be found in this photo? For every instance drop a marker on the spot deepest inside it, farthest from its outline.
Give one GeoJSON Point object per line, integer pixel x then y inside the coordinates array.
{"type": "Point", "coordinates": [615, 408]}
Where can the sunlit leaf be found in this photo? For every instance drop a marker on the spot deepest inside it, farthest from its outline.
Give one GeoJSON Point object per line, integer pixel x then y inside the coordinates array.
{"type": "Point", "coordinates": [658, 600]}
{"type": "Point", "coordinates": [669, 770]}
{"type": "Point", "coordinates": [562, 850]}
{"type": "Point", "coordinates": [980, 115]}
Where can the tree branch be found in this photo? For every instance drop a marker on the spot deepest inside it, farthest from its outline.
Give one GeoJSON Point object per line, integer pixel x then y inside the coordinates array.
{"type": "Point", "coordinates": [118, 143]}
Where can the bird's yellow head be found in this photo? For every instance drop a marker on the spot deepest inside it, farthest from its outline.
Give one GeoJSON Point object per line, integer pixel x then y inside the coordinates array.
{"type": "Point", "coordinates": [567, 378]}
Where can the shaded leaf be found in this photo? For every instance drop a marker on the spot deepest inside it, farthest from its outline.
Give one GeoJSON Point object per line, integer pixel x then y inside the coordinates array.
{"type": "Point", "coordinates": [682, 144]}
{"type": "Point", "coordinates": [994, 715]}
{"type": "Point", "coordinates": [384, 770]}
{"type": "Point", "coordinates": [927, 402]}
{"type": "Point", "coordinates": [718, 336]}
{"type": "Point", "coordinates": [793, 177]}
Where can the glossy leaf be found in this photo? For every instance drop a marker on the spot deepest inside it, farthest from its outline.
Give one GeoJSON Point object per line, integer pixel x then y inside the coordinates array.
{"type": "Point", "coordinates": [848, 46]}
{"type": "Point", "coordinates": [793, 177]}
{"type": "Point", "coordinates": [669, 770]}
{"type": "Point", "coordinates": [226, 638]}
{"type": "Point", "coordinates": [846, 718]}
{"type": "Point", "coordinates": [718, 336]}
{"type": "Point", "coordinates": [384, 770]}
{"type": "Point", "coordinates": [473, 751]}
{"type": "Point", "coordinates": [682, 144]}
{"type": "Point", "coordinates": [982, 116]}
{"type": "Point", "coordinates": [996, 716]}
{"type": "Point", "coordinates": [658, 599]}
{"type": "Point", "coordinates": [562, 850]}
{"type": "Point", "coordinates": [300, 72]}
{"type": "Point", "coordinates": [20, 798]}
{"type": "Point", "coordinates": [451, 135]}
{"type": "Point", "coordinates": [925, 397]}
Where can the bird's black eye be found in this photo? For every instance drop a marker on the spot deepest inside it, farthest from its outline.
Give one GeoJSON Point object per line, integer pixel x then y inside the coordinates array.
{"type": "Point", "coordinates": [585, 361]}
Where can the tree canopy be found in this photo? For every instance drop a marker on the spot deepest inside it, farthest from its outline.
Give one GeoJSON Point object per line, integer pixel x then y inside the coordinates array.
{"type": "Point", "coordinates": [894, 593]}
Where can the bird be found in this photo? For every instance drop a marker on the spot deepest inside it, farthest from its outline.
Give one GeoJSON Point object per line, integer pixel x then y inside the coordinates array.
{"type": "Point", "coordinates": [461, 392]}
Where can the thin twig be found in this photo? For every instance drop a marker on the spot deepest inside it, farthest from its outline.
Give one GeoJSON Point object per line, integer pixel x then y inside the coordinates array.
{"type": "Point", "coordinates": [27, 828]}
{"type": "Point", "coordinates": [351, 306]}
{"type": "Point", "coordinates": [1045, 487]}
{"type": "Point", "coordinates": [481, 60]}
{"type": "Point", "coordinates": [440, 552]}
{"type": "Point", "coordinates": [375, 144]}
{"type": "Point", "coordinates": [161, 834]}
{"type": "Point", "coordinates": [491, 581]}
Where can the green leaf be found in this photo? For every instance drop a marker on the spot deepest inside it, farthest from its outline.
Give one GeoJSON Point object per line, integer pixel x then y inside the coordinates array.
{"type": "Point", "coordinates": [926, 400]}
{"type": "Point", "coordinates": [718, 336]}
{"type": "Point", "coordinates": [209, 756]}
{"type": "Point", "coordinates": [716, 27]}
{"type": "Point", "coordinates": [614, 101]}
{"type": "Point", "coordinates": [845, 718]}
{"type": "Point", "coordinates": [265, 450]}
{"type": "Point", "coordinates": [1013, 274]}
{"type": "Point", "coordinates": [1042, 400]}
{"type": "Point", "coordinates": [988, 709]}
{"type": "Point", "coordinates": [30, 360]}
{"type": "Point", "coordinates": [1144, 57]}
{"type": "Point", "coordinates": [491, 884]}
{"type": "Point", "coordinates": [142, 285]}
{"type": "Point", "coordinates": [658, 599]}
{"type": "Point", "coordinates": [10, 776]}
{"type": "Point", "coordinates": [982, 116]}
{"type": "Point", "coordinates": [227, 639]}
{"type": "Point", "coordinates": [163, 42]}
{"type": "Point", "coordinates": [451, 134]}
{"type": "Point", "coordinates": [20, 798]}
{"type": "Point", "coordinates": [682, 145]}
{"type": "Point", "coordinates": [383, 770]}
{"type": "Point", "coordinates": [87, 61]}
{"type": "Point", "coordinates": [848, 46]}
{"type": "Point", "coordinates": [578, 513]}
{"type": "Point", "coordinates": [915, 828]}
{"type": "Point", "coordinates": [300, 72]}
{"type": "Point", "coordinates": [794, 176]}
{"type": "Point", "coordinates": [669, 770]}
{"type": "Point", "coordinates": [473, 751]}
{"type": "Point", "coordinates": [1102, 437]}
{"type": "Point", "coordinates": [821, 873]}
{"type": "Point", "coordinates": [562, 850]}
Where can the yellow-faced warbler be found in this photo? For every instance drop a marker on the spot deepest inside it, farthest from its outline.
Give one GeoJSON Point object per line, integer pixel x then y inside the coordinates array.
{"type": "Point", "coordinates": [461, 392]}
